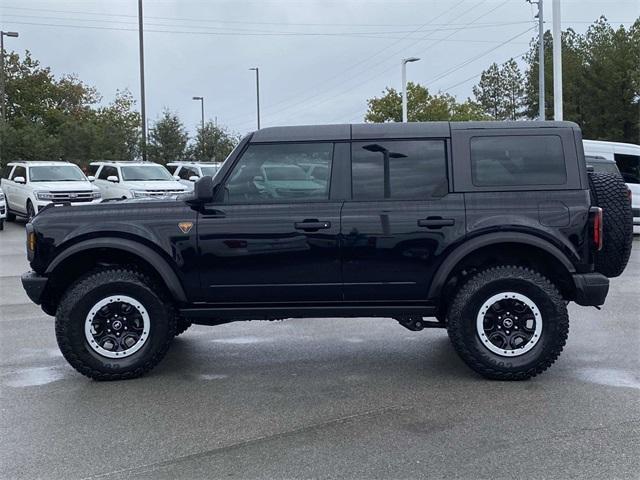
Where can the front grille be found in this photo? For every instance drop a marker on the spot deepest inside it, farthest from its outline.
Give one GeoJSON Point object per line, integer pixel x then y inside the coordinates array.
{"type": "Point", "coordinates": [72, 197]}
{"type": "Point", "coordinates": [162, 193]}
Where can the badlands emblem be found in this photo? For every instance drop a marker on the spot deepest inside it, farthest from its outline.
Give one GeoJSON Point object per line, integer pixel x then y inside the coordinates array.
{"type": "Point", "coordinates": [185, 227]}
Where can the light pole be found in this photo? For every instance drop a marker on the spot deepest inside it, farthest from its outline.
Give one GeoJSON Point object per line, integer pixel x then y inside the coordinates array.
{"type": "Point", "coordinates": [557, 62]}
{"type": "Point", "coordinates": [257, 70]}
{"type": "Point", "coordinates": [201, 99]}
{"type": "Point", "coordinates": [404, 86]}
{"type": "Point", "coordinates": [541, 109]}
{"type": "Point", "coordinates": [142, 96]}
{"type": "Point", "coordinates": [2, 93]}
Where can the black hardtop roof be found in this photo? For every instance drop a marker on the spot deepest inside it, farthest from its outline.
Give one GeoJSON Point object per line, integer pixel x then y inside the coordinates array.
{"type": "Point", "coordinates": [369, 131]}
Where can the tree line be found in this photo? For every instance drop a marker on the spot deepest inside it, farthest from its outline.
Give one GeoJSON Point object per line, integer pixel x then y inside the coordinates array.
{"type": "Point", "coordinates": [49, 118]}
{"type": "Point", "coordinates": [601, 87]}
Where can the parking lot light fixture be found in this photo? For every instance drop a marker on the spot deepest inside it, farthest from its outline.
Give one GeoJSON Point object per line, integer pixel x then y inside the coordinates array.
{"type": "Point", "coordinates": [404, 86]}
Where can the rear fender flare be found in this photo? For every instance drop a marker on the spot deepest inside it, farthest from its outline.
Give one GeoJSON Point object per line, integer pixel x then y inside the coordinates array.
{"type": "Point", "coordinates": [476, 243]}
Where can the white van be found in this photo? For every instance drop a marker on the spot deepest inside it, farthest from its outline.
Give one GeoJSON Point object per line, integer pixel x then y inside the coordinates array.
{"type": "Point", "coordinates": [627, 157]}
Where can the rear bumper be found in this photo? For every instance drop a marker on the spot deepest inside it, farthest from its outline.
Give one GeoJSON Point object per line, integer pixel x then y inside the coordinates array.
{"type": "Point", "coordinates": [591, 289]}
{"type": "Point", "coordinates": [34, 285]}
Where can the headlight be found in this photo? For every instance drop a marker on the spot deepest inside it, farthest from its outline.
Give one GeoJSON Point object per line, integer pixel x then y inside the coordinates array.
{"type": "Point", "coordinates": [44, 195]}
{"type": "Point", "coordinates": [139, 194]}
{"type": "Point", "coordinates": [96, 195]}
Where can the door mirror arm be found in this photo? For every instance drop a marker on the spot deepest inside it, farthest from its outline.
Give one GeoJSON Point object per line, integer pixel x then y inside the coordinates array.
{"type": "Point", "coordinates": [205, 191]}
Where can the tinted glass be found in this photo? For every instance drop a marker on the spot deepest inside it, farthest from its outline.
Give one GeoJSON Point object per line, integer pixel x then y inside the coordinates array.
{"type": "Point", "coordinates": [7, 171]}
{"type": "Point", "coordinates": [56, 173]}
{"type": "Point", "coordinates": [139, 173]}
{"type": "Point", "coordinates": [629, 166]}
{"type": "Point", "coordinates": [276, 173]}
{"type": "Point", "coordinates": [517, 160]}
{"type": "Point", "coordinates": [411, 169]}
{"type": "Point", "coordinates": [107, 172]}
{"type": "Point", "coordinates": [93, 169]}
{"type": "Point", "coordinates": [187, 172]}
{"type": "Point", "coordinates": [20, 172]}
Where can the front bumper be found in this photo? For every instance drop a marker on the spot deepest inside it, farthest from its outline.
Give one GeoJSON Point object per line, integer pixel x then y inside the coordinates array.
{"type": "Point", "coordinates": [34, 284]}
{"type": "Point", "coordinates": [591, 289]}
{"type": "Point", "coordinates": [40, 204]}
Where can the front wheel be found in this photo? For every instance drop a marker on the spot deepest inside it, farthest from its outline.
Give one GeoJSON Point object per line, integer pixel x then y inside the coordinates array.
{"type": "Point", "coordinates": [508, 323]}
{"type": "Point", "coordinates": [112, 324]}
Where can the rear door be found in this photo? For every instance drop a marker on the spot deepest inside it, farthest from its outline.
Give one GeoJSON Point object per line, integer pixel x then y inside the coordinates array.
{"type": "Point", "coordinates": [272, 238]}
{"type": "Point", "coordinates": [400, 219]}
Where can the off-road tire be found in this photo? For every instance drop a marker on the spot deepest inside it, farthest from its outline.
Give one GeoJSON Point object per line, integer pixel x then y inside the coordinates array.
{"type": "Point", "coordinates": [461, 322]}
{"type": "Point", "coordinates": [182, 324]}
{"type": "Point", "coordinates": [84, 294]}
{"type": "Point", "coordinates": [609, 192]}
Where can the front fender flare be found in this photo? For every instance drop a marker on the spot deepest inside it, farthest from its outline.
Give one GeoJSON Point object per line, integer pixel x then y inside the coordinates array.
{"type": "Point", "coordinates": [447, 266]}
{"type": "Point", "coordinates": [159, 264]}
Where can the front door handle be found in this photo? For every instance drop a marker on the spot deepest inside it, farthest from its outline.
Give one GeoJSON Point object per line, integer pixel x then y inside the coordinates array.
{"type": "Point", "coordinates": [312, 225]}
{"type": "Point", "coordinates": [436, 222]}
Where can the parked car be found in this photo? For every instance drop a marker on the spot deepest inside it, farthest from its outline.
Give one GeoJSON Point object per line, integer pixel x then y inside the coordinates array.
{"type": "Point", "coordinates": [3, 209]}
{"type": "Point", "coordinates": [602, 164]}
{"type": "Point", "coordinates": [187, 173]}
{"type": "Point", "coordinates": [627, 158]}
{"type": "Point", "coordinates": [30, 186]}
{"type": "Point", "coordinates": [120, 180]}
{"type": "Point", "coordinates": [486, 229]}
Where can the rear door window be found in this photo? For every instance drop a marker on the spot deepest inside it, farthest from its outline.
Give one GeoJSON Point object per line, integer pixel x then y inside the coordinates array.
{"type": "Point", "coordinates": [398, 169]}
{"type": "Point", "coordinates": [517, 160]}
{"type": "Point", "coordinates": [629, 166]}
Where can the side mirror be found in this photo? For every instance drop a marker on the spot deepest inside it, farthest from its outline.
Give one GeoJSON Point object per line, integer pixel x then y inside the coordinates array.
{"type": "Point", "coordinates": [20, 180]}
{"type": "Point", "coordinates": [112, 178]}
{"type": "Point", "coordinates": [194, 178]}
{"type": "Point", "coordinates": [91, 178]}
{"type": "Point", "coordinates": [203, 190]}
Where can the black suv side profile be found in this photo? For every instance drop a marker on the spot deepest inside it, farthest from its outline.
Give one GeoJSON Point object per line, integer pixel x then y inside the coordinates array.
{"type": "Point", "coordinates": [487, 229]}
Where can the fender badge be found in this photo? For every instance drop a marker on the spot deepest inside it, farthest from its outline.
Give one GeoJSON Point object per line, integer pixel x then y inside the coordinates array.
{"type": "Point", "coordinates": [185, 227]}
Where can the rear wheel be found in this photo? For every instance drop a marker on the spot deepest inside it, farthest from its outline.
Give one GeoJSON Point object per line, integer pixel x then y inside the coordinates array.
{"type": "Point", "coordinates": [508, 323]}
{"type": "Point", "coordinates": [112, 324]}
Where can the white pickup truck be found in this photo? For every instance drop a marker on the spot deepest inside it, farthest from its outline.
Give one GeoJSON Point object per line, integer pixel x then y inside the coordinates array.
{"type": "Point", "coordinates": [119, 180]}
{"type": "Point", "coordinates": [30, 186]}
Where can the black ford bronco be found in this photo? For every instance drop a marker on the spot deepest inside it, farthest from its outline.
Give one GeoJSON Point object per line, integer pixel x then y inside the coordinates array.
{"type": "Point", "coordinates": [487, 229]}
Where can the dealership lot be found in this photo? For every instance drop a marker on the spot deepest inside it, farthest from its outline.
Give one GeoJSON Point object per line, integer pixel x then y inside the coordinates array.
{"type": "Point", "coordinates": [319, 398]}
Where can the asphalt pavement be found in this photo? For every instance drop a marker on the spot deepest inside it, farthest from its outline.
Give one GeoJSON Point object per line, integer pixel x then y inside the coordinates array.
{"type": "Point", "coordinates": [319, 398]}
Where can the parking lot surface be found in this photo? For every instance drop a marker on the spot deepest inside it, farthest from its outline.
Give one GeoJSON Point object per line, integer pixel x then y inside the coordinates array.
{"type": "Point", "coordinates": [321, 398]}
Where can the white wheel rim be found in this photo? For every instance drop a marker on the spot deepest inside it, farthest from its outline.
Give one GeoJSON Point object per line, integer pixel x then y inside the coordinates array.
{"type": "Point", "coordinates": [121, 333]}
{"type": "Point", "coordinates": [509, 325]}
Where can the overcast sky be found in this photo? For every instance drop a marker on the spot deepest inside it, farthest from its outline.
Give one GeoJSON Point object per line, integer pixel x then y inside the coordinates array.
{"type": "Point", "coordinates": [319, 60]}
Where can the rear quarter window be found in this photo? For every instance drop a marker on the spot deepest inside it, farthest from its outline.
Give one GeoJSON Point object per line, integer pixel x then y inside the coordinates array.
{"type": "Point", "coordinates": [517, 160]}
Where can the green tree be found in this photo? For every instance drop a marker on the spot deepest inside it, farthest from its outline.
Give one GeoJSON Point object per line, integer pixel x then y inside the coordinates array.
{"type": "Point", "coordinates": [167, 139]}
{"type": "Point", "coordinates": [421, 106]}
{"type": "Point", "coordinates": [501, 91]}
{"type": "Point", "coordinates": [213, 143]}
{"type": "Point", "coordinates": [600, 78]}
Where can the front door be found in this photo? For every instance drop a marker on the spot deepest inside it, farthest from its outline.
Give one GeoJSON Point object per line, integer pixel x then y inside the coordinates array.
{"type": "Point", "coordinates": [273, 235]}
{"type": "Point", "coordinates": [400, 220]}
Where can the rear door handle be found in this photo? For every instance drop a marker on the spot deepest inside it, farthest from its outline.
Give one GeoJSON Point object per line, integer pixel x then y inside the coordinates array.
{"type": "Point", "coordinates": [436, 222]}
{"type": "Point", "coordinates": [312, 225]}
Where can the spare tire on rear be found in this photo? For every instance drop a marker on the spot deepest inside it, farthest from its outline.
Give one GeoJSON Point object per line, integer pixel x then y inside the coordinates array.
{"type": "Point", "coordinates": [609, 192]}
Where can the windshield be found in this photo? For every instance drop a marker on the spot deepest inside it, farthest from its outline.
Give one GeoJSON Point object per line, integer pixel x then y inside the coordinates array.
{"type": "Point", "coordinates": [285, 173]}
{"type": "Point", "coordinates": [209, 171]}
{"type": "Point", "coordinates": [141, 173]}
{"type": "Point", "coordinates": [56, 173]}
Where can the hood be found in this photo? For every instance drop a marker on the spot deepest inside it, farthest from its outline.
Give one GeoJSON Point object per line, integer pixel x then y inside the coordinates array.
{"type": "Point", "coordinates": [64, 186]}
{"type": "Point", "coordinates": [155, 185]}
